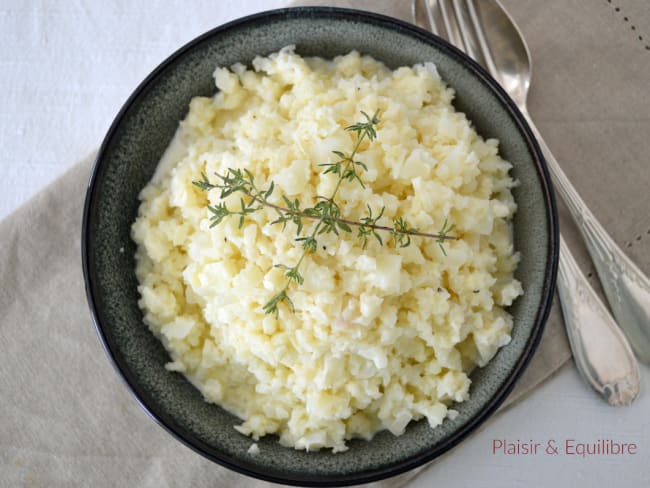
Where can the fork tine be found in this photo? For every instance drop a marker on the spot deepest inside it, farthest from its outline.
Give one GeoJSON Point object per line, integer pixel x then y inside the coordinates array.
{"type": "Point", "coordinates": [435, 18]}
{"type": "Point", "coordinates": [422, 14]}
{"type": "Point", "coordinates": [461, 23]}
{"type": "Point", "coordinates": [417, 14]}
{"type": "Point", "coordinates": [467, 30]}
{"type": "Point", "coordinates": [450, 23]}
{"type": "Point", "coordinates": [488, 60]}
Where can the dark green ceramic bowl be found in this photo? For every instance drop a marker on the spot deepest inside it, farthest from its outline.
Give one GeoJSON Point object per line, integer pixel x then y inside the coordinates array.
{"type": "Point", "coordinates": [128, 157]}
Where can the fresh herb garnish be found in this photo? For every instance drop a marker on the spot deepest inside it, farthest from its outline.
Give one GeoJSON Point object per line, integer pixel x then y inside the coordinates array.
{"type": "Point", "coordinates": [326, 213]}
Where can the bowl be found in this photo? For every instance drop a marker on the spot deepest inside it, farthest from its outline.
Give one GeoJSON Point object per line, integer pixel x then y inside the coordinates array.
{"type": "Point", "coordinates": [127, 160]}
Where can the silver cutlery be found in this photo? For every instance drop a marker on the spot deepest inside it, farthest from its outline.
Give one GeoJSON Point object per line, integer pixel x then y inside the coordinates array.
{"type": "Point", "coordinates": [601, 352]}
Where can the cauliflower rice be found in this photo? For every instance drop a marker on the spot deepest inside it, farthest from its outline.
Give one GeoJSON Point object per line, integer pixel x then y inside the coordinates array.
{"type": "Point", "coordinates": [380, 336]}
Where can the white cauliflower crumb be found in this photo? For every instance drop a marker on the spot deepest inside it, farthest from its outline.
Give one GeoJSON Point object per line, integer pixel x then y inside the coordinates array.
{"type": "Point", "coordinates": [381, 336]}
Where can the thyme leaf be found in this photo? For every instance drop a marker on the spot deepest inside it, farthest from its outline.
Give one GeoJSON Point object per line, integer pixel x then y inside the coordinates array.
{"type": "Point", "coordinates": [326, 213]}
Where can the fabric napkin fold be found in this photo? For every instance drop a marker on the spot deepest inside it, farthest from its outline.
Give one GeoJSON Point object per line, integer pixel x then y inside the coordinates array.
{"type": "Point", "coordinates": [67, 416]}
{"type": "Point", "coordinates": [67, 420]}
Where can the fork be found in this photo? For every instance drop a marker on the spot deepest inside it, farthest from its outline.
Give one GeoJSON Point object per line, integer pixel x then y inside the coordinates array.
{"type": "Point", "coordinates": [590, 327]}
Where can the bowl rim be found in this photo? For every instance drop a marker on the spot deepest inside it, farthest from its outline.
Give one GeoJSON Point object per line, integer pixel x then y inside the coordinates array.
{"type": "Point", "coordinates": [548, 288]}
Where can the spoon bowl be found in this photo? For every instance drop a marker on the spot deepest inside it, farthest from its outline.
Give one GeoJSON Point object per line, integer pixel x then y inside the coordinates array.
{"type": "Point", "coordinates": [602, 353]}
{"type": "Point", "coordinates": [509, 51]}
{"type": "Point", "coordinates": [627, 288]}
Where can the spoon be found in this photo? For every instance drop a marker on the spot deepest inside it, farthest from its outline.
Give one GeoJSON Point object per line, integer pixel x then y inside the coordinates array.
{"type": "Point", "coordinates": [627, 288]}
{"type": "Point", "coordinates": [601, 352]}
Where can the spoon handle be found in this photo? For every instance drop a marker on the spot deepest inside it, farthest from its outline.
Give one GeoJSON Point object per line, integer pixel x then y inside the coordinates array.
{"type": "Point", "coordinates": [600, 350]}
{"type": "Point", "coordinates": [627, 288]}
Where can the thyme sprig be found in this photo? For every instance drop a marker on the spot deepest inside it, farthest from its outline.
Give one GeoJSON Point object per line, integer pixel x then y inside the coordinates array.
{"type": "Point", "coordinates": [326, 212]}
{"type": "Point", "coordinates": [445, 229]}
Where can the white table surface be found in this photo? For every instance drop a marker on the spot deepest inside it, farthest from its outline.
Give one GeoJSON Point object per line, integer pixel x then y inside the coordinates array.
{"type": "Point", "coordinates": [65, 70]}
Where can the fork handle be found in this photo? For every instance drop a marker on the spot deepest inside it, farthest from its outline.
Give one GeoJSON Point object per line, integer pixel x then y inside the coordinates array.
{"type": "Point", "coordinates": [627, 288]}
{"type": "Point", "coordinates": [600, 350]}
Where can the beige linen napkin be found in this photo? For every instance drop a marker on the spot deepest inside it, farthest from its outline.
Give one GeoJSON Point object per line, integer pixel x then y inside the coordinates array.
{"type": "Point", "coordinates": [65, 417]}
